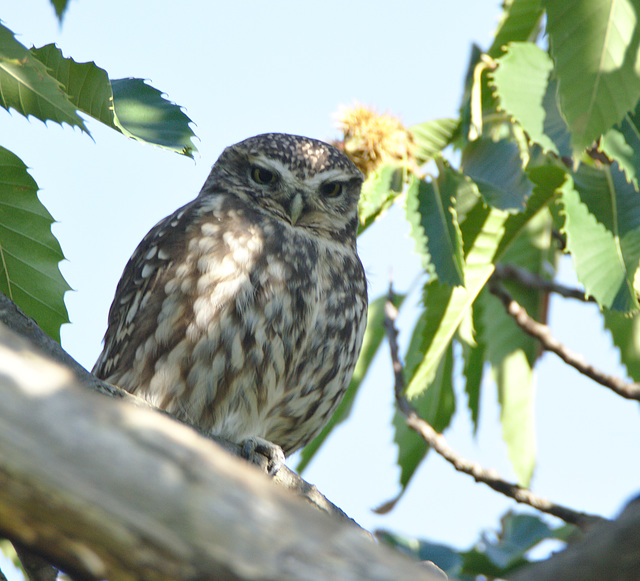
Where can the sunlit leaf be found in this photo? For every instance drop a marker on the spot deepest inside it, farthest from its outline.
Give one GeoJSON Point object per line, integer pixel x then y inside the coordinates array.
{"type": "Point", "coordinates": [527, 93]}
{"type": "Point", "coordinates": [127, 105]}
{"type": "Point", "coordinates": [432, 137]}
{"type": "Point", "coordinates": [602, 224]}
{"type": "Point", "coordinates": [520, 22]}
{"type": "Point", "coordinates": [29, 253]}
{"type": "Point", "coordinates": [595, 48]}
{"type": "Point", "coordinates": [27, 86]}
{"type": "Point", "coordinates": [141, 112]}
{"type": "Point", "coordinates": [487, 234]}
{"type": "Point", "coordinates": [622, 144]}
{"type": "Point", "coordinates": [378, 193]}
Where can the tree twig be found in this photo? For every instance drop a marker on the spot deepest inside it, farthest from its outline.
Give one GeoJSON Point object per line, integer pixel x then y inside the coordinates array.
{"type": "Point", "coordinates": [532, 280]}
{"type": "Point", "coordinates": [440, 445]}
{"type": "Point", "coordinates": [543, 334]}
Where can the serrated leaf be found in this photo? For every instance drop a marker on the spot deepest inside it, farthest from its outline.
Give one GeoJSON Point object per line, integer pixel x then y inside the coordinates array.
{"type": "Point", "coordinates": [378, 193]}
{"type": "Point", "coordinates": [602, 224]}
{"type": "Point", "coordinates": [527, 94]}
{"type": "Point", "coordinates": [512, 353]}
{"type": "Point", "coordinates": [520, 22]}
{"type": "Point", "coordinates": [622, 144]}
{"type": "Point", "coordinates": [142, 113]}
{"type": "Point", "coordinates": [594, 46]}
{"type": "Point", "coordinates": [496, 169]}
{"type": "Point", "coordinates": [473, 371]}
{"type": "Point", "coordinates": [129, 106]}
{"type": "Point", "coordinates": [373, 337]}
{"type": "Point", "coordinates": [436, 404]}
{"type": "Point", "coordinates": [27, 87]}
{"type": "Point", "coordinates": [625, 333]}
{"type": "Point", "coordinates": [29, 253]}
{"type": "Point", "coordinates": [487, 234]}
{"type": "Point", "coordinates": [430, 211]}
{"type": "Point", "coordinates": [432, 137]}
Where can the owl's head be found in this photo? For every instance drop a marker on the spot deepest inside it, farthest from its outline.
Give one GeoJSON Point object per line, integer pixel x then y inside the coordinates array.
{"type": "Point", "coordinates": [304, 182]}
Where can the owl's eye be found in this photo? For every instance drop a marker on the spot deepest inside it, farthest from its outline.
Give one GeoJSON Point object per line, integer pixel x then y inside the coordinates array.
{"type": "Point", "coordinates": [331, 189]}
{"type": "Point", "coordinates": [263, 176]}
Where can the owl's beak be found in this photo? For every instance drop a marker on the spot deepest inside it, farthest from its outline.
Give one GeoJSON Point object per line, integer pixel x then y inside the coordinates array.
{"type": "Point", "coordinates": [295, 208]}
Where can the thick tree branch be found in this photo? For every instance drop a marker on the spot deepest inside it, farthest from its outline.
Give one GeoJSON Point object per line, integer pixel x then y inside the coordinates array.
{"type": "Point", "coordinates": [440, 445]}
{"type": "Point", "coordinates": [610, 551]}
{"type": "Point", "coordinates": [18, 322]}
{"type": "Point", "coordinates": [528, 279]}
{"type": "Point", "coordinates": [107, 490]}
{"type": "Point", "coordinates": [543, 334]}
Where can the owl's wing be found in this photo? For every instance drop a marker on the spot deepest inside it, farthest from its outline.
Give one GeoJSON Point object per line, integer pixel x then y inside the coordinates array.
{"type": "Point", "coordinates": [140, 293]}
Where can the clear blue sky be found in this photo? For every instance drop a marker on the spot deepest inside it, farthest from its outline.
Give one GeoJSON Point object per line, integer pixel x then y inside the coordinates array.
{"type": "Point", "coordinates": [247, 67]}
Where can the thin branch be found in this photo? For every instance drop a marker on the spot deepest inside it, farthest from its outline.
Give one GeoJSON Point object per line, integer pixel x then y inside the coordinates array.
{"type": "Point", "coordinates": [543, 334]}
{"type": "Point", "coordinates": [440, 445]}
{"type": "Point", "coordinates": [531, 280]}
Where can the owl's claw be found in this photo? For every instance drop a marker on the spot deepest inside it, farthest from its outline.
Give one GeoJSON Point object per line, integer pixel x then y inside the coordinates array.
{"type": "Point", "coordinates": [264, 454]}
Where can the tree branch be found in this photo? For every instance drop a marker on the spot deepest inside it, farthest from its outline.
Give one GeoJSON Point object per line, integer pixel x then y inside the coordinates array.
{"type": "Point", "coordinates": [440, 445]}
{"type": "Point", "coordinates": [18, 322]}
{"type": "Point", "coordinates": [543, 334]}
{"type": "Point", "coordinates": [107, 490]}
{"type": "Point", "coordinates": [609, 551]}
{"type": "Point", "coordinates": [530, 280]}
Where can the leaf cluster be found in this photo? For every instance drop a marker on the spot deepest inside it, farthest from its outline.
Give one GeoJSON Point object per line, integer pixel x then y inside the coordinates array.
{"type": "Point", "coordinates": [495, 556]}
{"type": "Point", "coordinates": [541, 161]}
{"type": "Point", "coordinates": [42, 83]}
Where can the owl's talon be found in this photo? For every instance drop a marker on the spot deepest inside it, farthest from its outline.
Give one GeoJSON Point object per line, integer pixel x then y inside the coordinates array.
{"type": "Point", "coordinates": [264, 454]}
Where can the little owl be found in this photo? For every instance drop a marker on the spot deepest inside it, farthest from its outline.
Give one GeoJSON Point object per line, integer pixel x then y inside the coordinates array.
{"type": "Point", "coordinates": [243, 312]}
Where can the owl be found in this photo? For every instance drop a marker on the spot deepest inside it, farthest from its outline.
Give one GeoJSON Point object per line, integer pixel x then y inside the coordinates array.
{"type": "Point", "coordinates": [243, 312]}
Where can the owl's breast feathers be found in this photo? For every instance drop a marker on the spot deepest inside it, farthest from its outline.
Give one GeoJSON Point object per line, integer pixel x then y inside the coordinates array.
{"type": "Point", "coordinates": [241, 323]}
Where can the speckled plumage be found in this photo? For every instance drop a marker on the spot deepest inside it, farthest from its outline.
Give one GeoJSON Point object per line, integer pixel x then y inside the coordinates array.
{"type": "Point", "coordinates": [243, 312]}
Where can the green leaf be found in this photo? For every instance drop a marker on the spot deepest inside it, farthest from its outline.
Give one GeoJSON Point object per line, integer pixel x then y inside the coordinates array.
{"type": "Point", "coordinates": [520, 533]}
{"type": "Point", "coordinates": [430, 210]}
{"type": "Point", "coordinates": [487, 234]}
{"type": "Point", "coordinates": [527, 94]}
{"type": "Point", "coordinates": [432, 137]}
{"type": "Point", "coordinates": [27, 87]}
{"type": "Point", "coordinates": [625, 331]}
{"type": "Point", "coordinates": [373, 337]}
{"type": "Point", "coordinates": [520, 22]}
{"type": "Point", "coordinates": [141, 112]}
{"type": "Point", "coordinates": [127, 105]}
{"type": "Point", "coordinates": [512, 353]}
{"type": "Point", "coordinates": [473, 371]}
{"type": "Point", "coordinates": [378, 193]}
{"type": "Point", "coordinates": [622, 144]}
{"type": "Point", "coordinates": [594, 44]}
{"type": "Point", "coordinates": [444, 557]}
{"type": "Point", "coordinates": [60, 6]}
{"type": "Point", "coordinates": [436, 404]}
{"type": "Point", "coordinates": [29, 253]}
{"type": "Point", "coordinates": [602, 224]}
{"type": "Point", "coordinates": [496, 169]}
